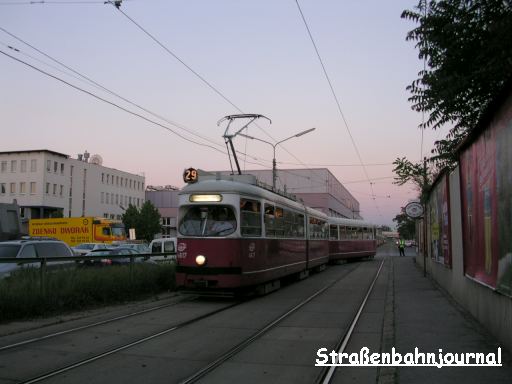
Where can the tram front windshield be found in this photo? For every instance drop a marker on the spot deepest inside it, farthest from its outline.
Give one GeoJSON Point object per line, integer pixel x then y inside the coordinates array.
{"type": "Point", "coordinates": [207, 220]}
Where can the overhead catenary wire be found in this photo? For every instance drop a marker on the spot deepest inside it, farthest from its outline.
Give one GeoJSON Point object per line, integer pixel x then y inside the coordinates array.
{"type": "Point", "coordinates": [114, 104]}
{"type": "Point", "coordinates": [199, 76]}
{"type": "Point", "coordinates": [336, 100]}
{"type": "Point", "coordinates": [53, 2]}
{"type": "Point", "coordinates": [95, 84]}
{"type": "Point", "coordinates": [99, 86]}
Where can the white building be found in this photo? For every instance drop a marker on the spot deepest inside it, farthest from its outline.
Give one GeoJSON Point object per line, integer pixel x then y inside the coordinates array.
{"type": "Point", "coordinates": [47, 183]}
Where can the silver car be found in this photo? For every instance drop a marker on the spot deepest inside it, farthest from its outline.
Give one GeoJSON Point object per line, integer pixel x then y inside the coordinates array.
{"type": "Point", "coordinates": [85, 248]}
{"type": "Point", "coordinates": [21, 249]}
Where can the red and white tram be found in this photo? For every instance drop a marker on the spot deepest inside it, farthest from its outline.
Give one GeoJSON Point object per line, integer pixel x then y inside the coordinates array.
{"type": "Point", "coordinates": [351, 239]}
{"type": "Point", "coordinates": [233, 234]}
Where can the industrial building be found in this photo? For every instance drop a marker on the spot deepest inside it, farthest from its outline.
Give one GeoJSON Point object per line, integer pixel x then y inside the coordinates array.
{"type": "Point", "coordinates": [51, 184]}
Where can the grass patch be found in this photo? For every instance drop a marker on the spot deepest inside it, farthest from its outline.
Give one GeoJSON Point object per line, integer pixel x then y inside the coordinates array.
{"type": "Point", "coordinates": [21, 296]}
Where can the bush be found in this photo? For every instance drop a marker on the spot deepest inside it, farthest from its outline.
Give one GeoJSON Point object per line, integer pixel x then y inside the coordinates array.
{"type": "Point", "coordinates": [21, 296]}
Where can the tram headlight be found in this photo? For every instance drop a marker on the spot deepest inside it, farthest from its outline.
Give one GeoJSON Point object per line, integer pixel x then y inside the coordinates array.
{"type": "Point", "coordinates": [200, 260]}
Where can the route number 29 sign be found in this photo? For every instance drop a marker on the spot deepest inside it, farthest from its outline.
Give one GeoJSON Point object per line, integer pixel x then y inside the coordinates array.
{"type": "Point", "coordinates": [190, 175]}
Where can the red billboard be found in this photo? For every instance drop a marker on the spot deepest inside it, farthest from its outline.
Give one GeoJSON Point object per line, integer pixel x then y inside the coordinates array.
{"type": "Point", "coordinates": [486, 197]}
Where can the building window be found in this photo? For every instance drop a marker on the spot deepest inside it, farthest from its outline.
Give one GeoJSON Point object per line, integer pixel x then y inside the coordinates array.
{"type": "Point", "coordinates": [47, 188]}
{"type": "Point", "coordinates": [102, 197]}
{"type": "Point", "coordinates": [61, 192]}
{"type": "Point", "coordinates": [2, 188]}
{"type": "Point", "coordinates": [33, 165]}
{"type": "Point", "coordinates": [117, 180]}
{"type": "Point", "coordinates": [13, 187]}
{"type": "Point", "coordinates": [23, 187]}
{"type": "Point", "coordinates": [4, 166]}
{"type": "Point", "coordinates": [105, 215]}
{"type": "Point", "coordinates": [117, 199]}
{"type": "Point", "coordinates": [32, 187]}
{"type": "Point", "coordinates": [23, 166]}
{"type": "Point", "coordinates": [54, 189]}
{"type": "Point", "coordinates": [102, 177]}
{"type": "Point", "coordinates": [61, 168]}
{"type": "Point", "coordinates": [13, 166]}
{"type": "Point", "coordinates": [108, 178]}
{"type": "Point", "coordinates": [108, 198]}
{"type": "Point", "coordinates": [48, 165]}
{"type": "Point", "coordinates": [55, 166]}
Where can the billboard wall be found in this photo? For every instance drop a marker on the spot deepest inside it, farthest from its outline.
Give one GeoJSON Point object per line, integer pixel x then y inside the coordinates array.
{"type": "Point", "coordinates": [439, 222]}
{"type": "Point", "coordinates": [486, 194]}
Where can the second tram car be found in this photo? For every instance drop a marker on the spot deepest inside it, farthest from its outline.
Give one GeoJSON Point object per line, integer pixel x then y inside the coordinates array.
{"type": "Point", "coordinates": [234, 234]}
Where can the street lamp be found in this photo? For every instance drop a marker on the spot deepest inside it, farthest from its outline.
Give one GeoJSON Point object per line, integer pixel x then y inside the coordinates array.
{"type": "Point", "coordinates": [274, 169]}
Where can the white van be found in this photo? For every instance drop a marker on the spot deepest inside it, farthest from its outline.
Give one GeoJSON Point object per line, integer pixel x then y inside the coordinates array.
{"type": "Point", "coordinates": [163, 245]}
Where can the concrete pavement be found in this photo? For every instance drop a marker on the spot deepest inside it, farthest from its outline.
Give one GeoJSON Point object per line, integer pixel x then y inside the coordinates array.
{"type": "Point", "coordinates": [425, 317]}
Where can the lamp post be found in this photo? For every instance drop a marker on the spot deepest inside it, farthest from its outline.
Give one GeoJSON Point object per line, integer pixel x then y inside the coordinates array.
{"type": "Point", "coordinates": [274, 169]}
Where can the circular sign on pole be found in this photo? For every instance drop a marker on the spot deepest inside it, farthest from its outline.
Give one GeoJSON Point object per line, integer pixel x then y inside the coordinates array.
{"type": "Point", "coordinates": [414, 210]}
{"type": "Point", "coordinates": [190, 175]}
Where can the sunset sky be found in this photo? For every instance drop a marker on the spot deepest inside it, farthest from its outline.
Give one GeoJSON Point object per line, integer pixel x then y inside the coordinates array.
{"type": "Point", "coordinates": [209, 59]}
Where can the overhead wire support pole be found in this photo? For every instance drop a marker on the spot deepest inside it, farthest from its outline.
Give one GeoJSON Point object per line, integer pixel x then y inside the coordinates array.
{"type": "Point", "coordinates": [229, 138]}
{"type": "Point", "coordinates": [274, 167]}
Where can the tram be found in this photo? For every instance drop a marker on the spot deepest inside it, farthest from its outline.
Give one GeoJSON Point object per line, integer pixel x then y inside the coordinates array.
{"type": "Point", "coordinates": [233, 233]}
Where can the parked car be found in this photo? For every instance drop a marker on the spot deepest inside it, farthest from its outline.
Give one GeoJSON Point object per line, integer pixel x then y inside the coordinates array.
{"type": "Point", "coordinates": [85, 248]}
{"type": "Point", "coordinates": [32, 248]}
{"type": "Point", "coordinates": [139, 247]}
{"type": "Point", "coordinates": [163, 245]}
{"type": "Point", "coordinates": [118, 251]}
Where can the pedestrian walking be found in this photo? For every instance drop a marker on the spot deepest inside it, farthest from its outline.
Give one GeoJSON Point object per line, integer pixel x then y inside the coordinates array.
{"type": "Point", "coordinates": [401, 247]}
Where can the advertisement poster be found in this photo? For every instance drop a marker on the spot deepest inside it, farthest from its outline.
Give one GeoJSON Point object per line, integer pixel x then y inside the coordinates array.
{"type": "Point", "coordinates": [439, 214]}
{"type": "Point", "coordinates": [486, 193]}
{"type": "Point", "coordinates": [504, 201]}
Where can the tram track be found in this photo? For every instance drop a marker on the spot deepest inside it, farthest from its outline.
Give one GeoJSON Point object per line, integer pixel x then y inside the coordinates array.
{"type": "Point", "coordinates": [94, 324]}
{"type": "Point", "coordinates": [53, 373]}
{"type": "Point", "coordinates": [327, 373]}
{"type": "Point", "coordinates": [112, 351]}
{"type": "Point", "coordinates": [341, 345]}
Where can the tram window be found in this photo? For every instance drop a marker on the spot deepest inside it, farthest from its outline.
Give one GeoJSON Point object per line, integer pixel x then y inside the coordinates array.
{"type": "Point", "coordinates": [269, 221]}
{"type": "Point", "coordinates": [299, 225]}
{"type": "Point", "coordinates": [279, 223]}
{"type": "Point", "coordinates": [333, 232]}
{"type": "Point", "coordinates": [289, 224]}
{"type": "Point", "coordinates": [343, 232]}
{"type": "Point", "coordinates": [317, 228]}
{"type": "Point", "coordinates": [207, 220]}
{"type": "Point", "coordinates": [250, 218]}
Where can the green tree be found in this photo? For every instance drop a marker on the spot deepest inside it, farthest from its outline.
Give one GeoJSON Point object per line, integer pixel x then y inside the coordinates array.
{"type": "Point", "coordinates": [419, 174]}
{"type": "Point", "coordinates": [406, 226]}
{"type": "Point", "coordinates": [130, 218]}
{"type": "Point", "coordinates": [467, 46]}
{"type": "Point", "coordinates": [149, 221]}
